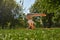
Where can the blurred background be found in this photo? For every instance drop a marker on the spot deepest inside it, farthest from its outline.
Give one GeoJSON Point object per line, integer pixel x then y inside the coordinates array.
{"type": "Point", "coordinates": [13, 13]}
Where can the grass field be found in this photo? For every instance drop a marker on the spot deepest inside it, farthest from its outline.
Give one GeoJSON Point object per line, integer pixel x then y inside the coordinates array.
{"type": "Point", "coordinates": [28, 34]}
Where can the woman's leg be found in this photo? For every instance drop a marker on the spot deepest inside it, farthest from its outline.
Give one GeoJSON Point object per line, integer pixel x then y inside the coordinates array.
{"type": "Point", "coordinates": [32, 26]}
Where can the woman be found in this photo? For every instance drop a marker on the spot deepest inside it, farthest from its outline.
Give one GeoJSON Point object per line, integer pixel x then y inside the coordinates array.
{"type": "Point", "coordinates": [30, 21]}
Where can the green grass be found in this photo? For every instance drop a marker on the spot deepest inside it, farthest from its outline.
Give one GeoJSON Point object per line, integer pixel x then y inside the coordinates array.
{"type": "Point", "coordinates": [28, 34]}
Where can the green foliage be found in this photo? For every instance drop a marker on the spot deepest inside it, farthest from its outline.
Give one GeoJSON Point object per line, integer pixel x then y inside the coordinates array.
{"type": "Point", "coordinates": [10, 13]}
{"type": "Point", "coordinates": [50, 8]}
{"type": "Point", "coordinates": [26, 34]}
{"type": "Point", "coordinates": [6, 7]}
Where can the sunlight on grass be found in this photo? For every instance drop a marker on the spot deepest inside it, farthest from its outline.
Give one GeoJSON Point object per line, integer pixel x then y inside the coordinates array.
{"type": "Point", "coordinates": [27, 34]}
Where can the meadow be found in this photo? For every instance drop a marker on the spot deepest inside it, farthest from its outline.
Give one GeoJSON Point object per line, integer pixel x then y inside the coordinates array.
{"type": "Point", "coordinates": [28, 34]}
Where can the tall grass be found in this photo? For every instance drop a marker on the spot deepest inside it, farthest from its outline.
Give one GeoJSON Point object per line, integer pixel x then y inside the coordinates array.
{"type": "Point", "coordinates": [28, 34]}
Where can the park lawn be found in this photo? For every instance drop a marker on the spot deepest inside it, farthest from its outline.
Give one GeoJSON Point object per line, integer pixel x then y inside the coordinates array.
{"type": "Point", "coordinates": [28, 34]}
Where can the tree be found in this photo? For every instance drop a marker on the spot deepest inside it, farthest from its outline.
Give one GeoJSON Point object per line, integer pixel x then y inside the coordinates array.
{"type": "Point", "coordinates": [50, 8]}
{"type": "Point", "coordinates": [6, 12]}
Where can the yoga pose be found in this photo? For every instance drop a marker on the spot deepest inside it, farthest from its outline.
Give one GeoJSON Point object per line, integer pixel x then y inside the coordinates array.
{"type": "Point", "coordinates": [30, 21]}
